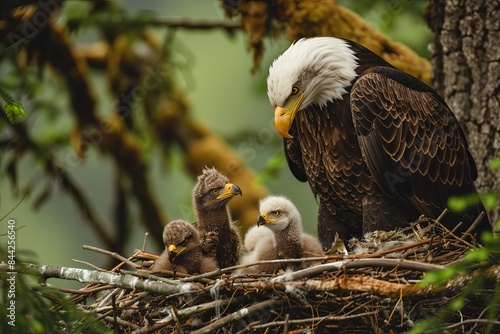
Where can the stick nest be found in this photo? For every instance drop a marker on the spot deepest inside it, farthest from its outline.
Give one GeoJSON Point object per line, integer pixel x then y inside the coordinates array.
{"type": "Point", "coordinates": [375, 289]}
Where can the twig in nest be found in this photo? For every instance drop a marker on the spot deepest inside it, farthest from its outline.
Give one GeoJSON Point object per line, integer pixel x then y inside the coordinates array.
{"type": "Point", "coordinates": [468, 321]}
{"type": "Point", "coordinates": [89, 264]}
{"type": "Point", "coordinates": [357, 263]}
{"type": "Point", "coordinates": [112, 254]}
{"type": "Point", "coordinates": [313, 320]}
{"type": "Point", "coordinates": [121, 322]}
{"type": "Point", "coordinates": [58, 288]}
{"type": "Point", "coordinates": [113, 307]}
{"type": "Point", "coordinates": [144, 255]}
{"type": "Point", "coordinates": [189, 311]}
{"type": "Point", "coordinates": [178, 325]}
{"type": "Point", "coordinates": [148, 275]}
{"type": "Point", "coordinates": [146, 235]}
{"type": "Point", "coordinates": [475, 223]}
{"type": "Point", "coordinates": [236, 316]}
{"type": "Point", "coordinates": [109, 297]}
{"type": "Point", "coordinates": [125, 305]}
{"type": "Point", "coordinates": [441, 216]}
{"type": "Point", "coordinates": [393, 250]}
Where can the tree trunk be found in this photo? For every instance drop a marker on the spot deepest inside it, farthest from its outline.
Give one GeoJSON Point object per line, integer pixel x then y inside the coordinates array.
{"type": "Point", "coordinates": [466, 63]}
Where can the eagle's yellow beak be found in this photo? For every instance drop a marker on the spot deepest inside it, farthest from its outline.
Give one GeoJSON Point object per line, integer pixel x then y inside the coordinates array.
{"type": "Point", "coordinates": [263, 219]}
{"type": "Point", "coordinates": [174, 251]}
{"type": "Point", "coordinates": [284, 116]}
{"type": "Point", "coordinates": [231, 190]}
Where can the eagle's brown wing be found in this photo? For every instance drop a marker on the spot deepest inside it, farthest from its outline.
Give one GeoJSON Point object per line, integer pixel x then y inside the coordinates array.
{"type": "Point", "coordinates": [412, 143]}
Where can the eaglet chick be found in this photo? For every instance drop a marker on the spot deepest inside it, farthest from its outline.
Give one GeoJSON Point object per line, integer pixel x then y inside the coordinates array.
{"type": "Point", "coordinates": [211, 195]}
{"type": "Point", "coordinates": [289, 242]}
{"type": "Point", "coordinates": [183, 253]}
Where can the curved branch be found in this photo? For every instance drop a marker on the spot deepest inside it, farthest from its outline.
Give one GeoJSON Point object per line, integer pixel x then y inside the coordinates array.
{"type": "Point", "coordinates": [357, 263]}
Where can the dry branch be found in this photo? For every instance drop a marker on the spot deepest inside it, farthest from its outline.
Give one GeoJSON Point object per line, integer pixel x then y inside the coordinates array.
{"type": "Point", "coordinates": [97, 277]}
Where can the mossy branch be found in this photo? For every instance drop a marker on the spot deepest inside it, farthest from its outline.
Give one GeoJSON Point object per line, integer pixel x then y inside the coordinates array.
{"type": "Point", "coordinates": [323, 18]}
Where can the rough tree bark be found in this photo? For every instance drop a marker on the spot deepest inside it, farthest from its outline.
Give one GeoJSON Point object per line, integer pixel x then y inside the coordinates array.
{"type": "Point", "coordinates": [466, 63]}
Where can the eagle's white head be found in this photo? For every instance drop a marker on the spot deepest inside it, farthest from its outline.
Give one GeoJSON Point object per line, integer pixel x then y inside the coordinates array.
{"type": "Point", "coordinates": [312, 71]}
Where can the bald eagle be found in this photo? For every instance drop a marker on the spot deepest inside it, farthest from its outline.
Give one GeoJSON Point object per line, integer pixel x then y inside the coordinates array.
{"type": "Point", "coordinates": [377, 146]}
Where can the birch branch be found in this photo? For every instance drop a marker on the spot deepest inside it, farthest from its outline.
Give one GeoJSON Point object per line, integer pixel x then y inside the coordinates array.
{"type": "Point", "coordinates": [125, 281]}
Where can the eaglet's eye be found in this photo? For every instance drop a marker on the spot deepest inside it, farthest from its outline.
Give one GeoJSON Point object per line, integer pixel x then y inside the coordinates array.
{"type": "Point", "coordinates": [295, 89]}
{"type": "Point", "coordinates": [183, 242]}
{"type": "Point", "coordinates": [276, 213]}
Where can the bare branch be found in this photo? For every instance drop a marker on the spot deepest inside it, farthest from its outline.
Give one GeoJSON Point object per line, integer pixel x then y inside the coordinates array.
{"type": "Point", "coordinates": [112, 254]}
{"type": "Point", "coordinates": [358, 263]}
{"type": "Point", "coordinates": [90, 276]}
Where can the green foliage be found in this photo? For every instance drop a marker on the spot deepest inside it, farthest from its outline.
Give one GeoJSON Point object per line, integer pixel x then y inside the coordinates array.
{"type": "Point", "coordinates": [14, 110]}
{"type": "Point", "coordinates": [273, 166]}
{"type": "Point", "coordinates": [490, 198]}
{"type": "Point", "coordinates": [430, 326]}
{"type": "Point", "coordinates": [481, 259]}
{"type": "Point", "coordinates": [460, 203]}
{"type": "Point", "coordinates": [495, 164]}
{"type": "Point", "coordinates": [40, 309]}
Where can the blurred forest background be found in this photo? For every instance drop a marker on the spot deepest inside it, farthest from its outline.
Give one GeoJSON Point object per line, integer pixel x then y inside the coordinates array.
{"type": "Point", "coordinates": [209, 68]}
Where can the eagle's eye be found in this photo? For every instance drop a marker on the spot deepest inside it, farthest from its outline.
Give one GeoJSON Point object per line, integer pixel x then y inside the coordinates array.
{"type": "Point", "coordinates": [183, 242]}
{"type": "Point", "coordinates": [295, 89]}
{"type": "Point", "coordinates": [214, 191]}
{"type": "Point", "coordinates": [276, 213]}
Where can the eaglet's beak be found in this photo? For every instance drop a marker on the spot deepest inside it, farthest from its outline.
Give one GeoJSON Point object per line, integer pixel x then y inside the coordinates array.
{"type": "Point", "coordinates": [284, 116]}
{"type": "Point", "coordinates": [231, 190]}
{"type": "Point", "coordinates": [263, 220]}
{"type": "Point", "coordinates": [174, 251]}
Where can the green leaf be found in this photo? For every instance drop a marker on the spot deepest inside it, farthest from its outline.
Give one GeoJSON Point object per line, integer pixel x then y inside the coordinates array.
{"type": "Point", "coordinates": [457, 204]}
{"type": "Point", "coordinates": [477, 255]}
{"type": "Point", "coordinates": [490, 201]}
{"type": "Point", "coordinates": [457, 303]}
{"type": "Point", "coordinates": [495, 164]}
{"type": "Point", "coordinates": [439, 276]}
{"type": "Point", "coordinates": [14, 110]}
